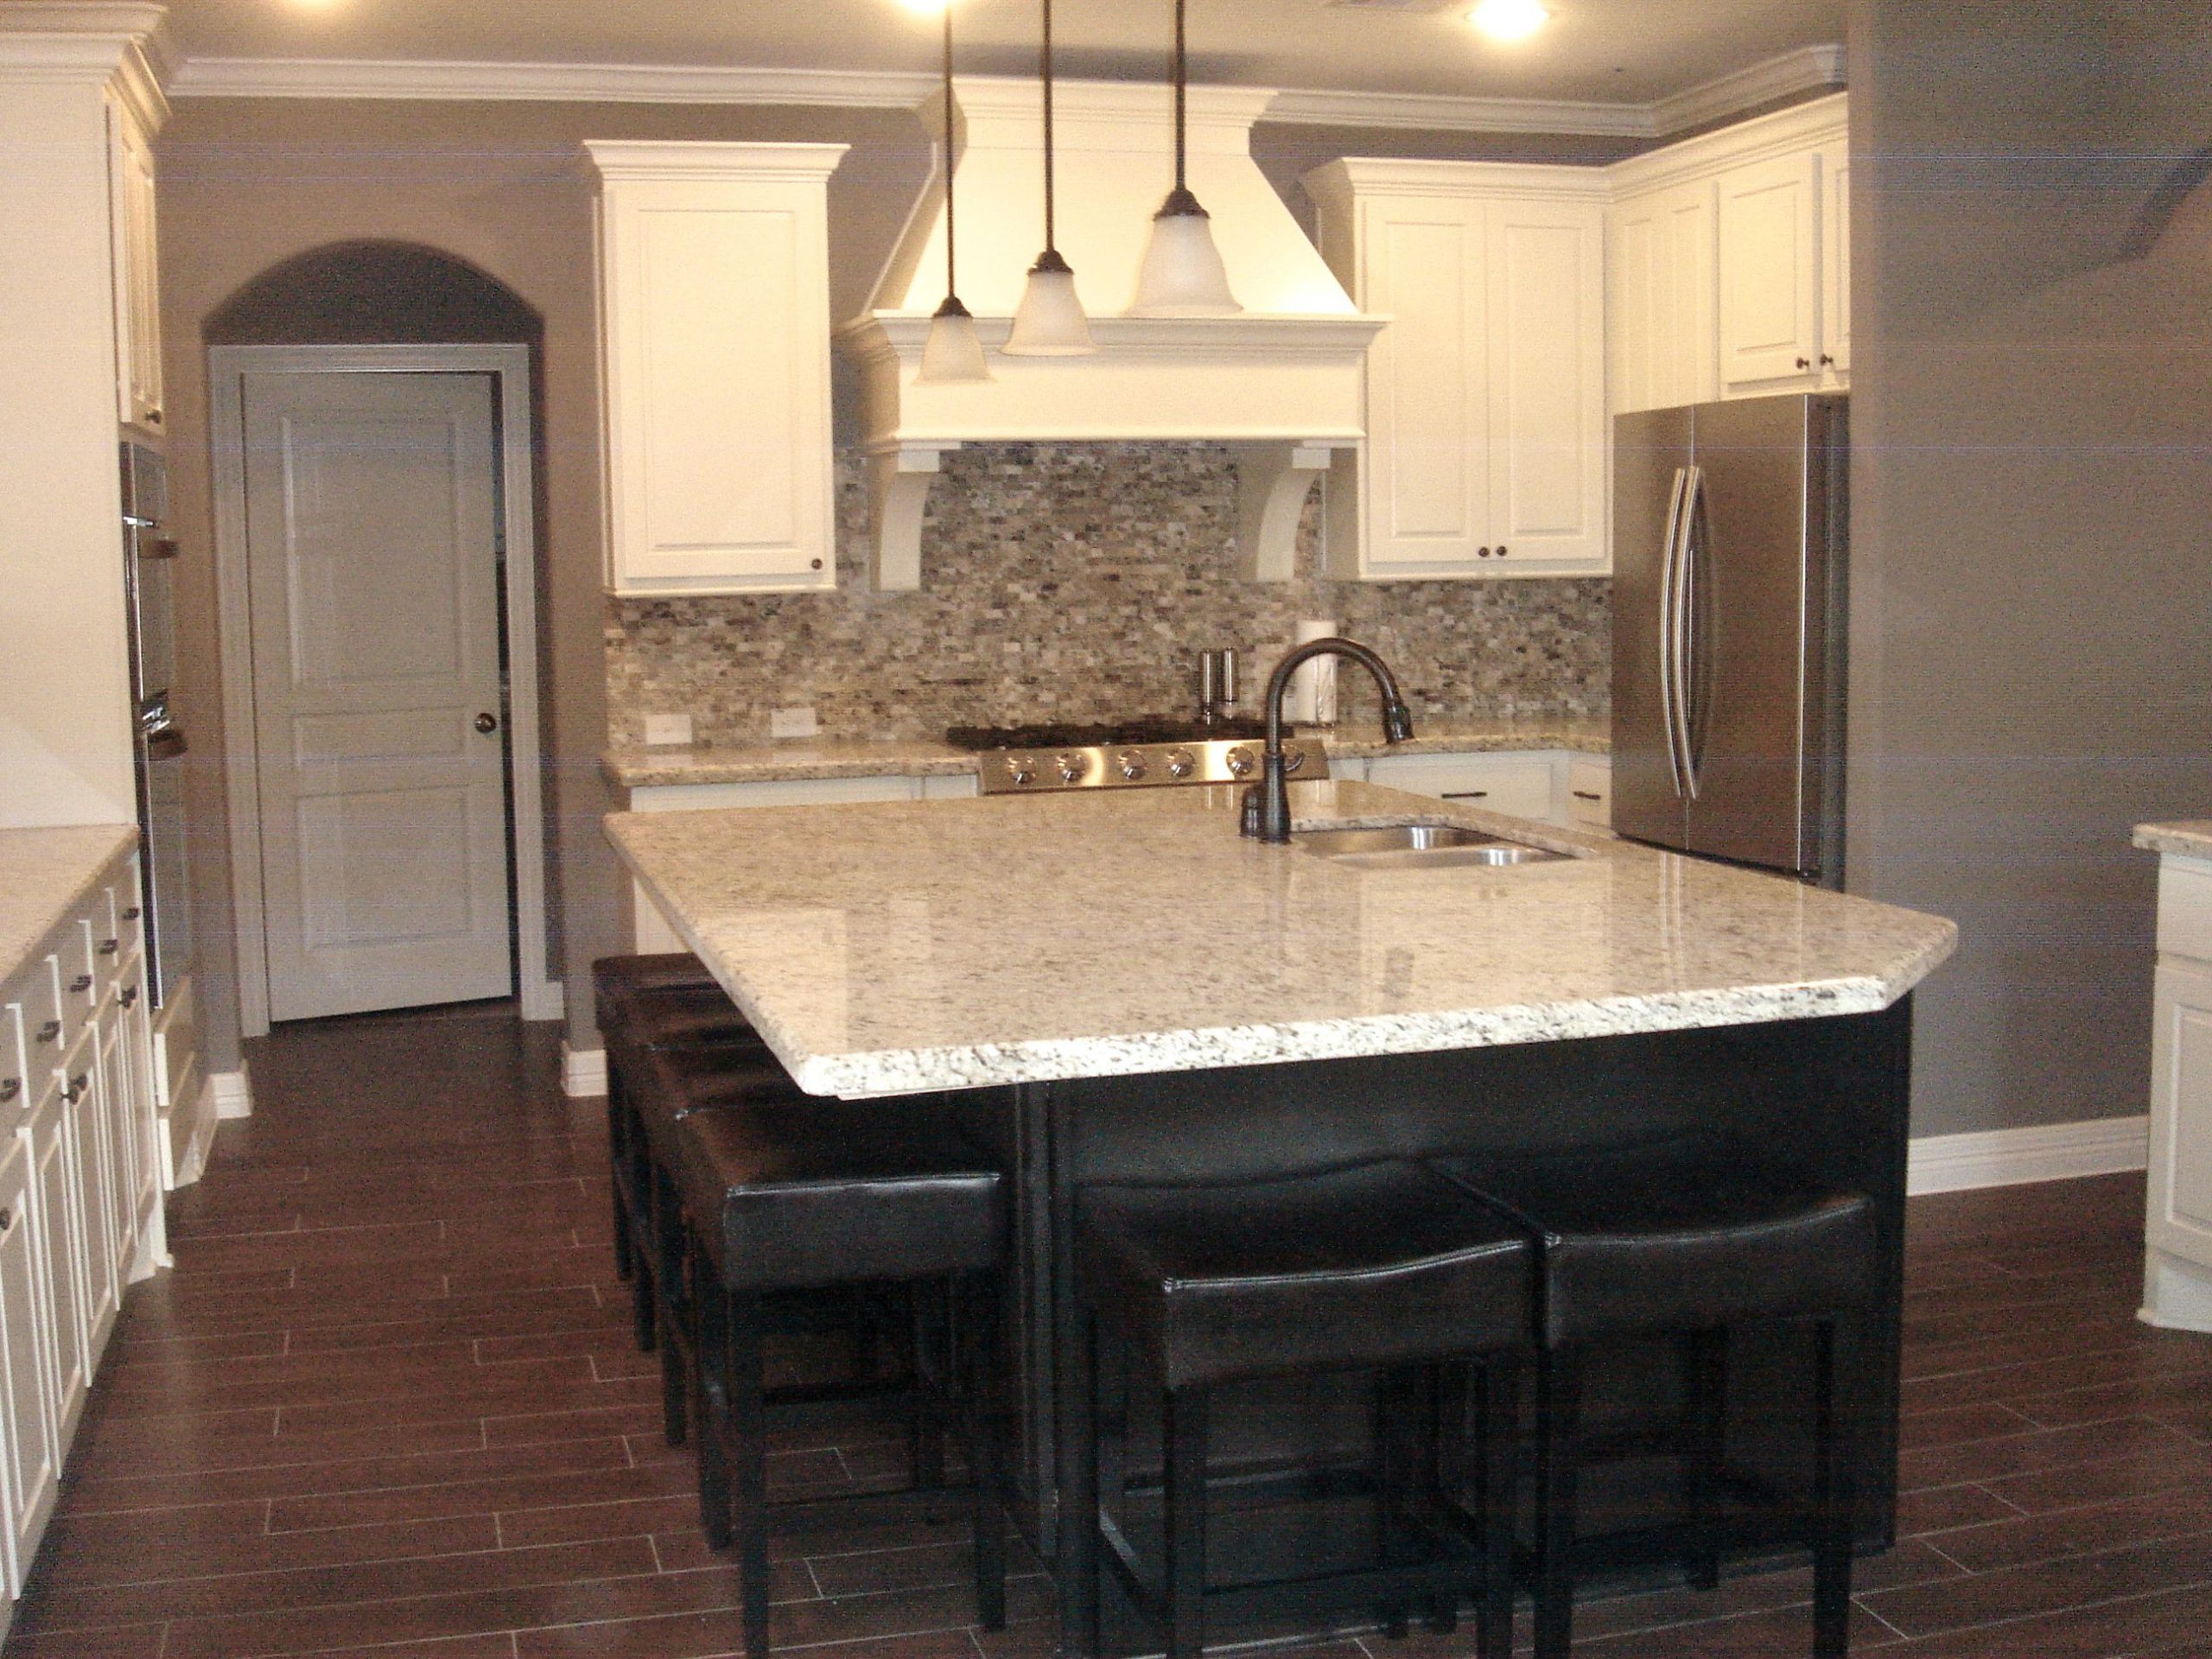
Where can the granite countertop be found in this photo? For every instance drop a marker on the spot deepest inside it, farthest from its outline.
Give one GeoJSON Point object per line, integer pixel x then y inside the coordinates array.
{"type": "Point", "coordinates": [645, 768]}
{"type": "Point", "coordinates": [908, 946]}
{"type": "Point", "coordinates": [45, 874]}
{"type": "Point", "coordinates": [2190, 837]}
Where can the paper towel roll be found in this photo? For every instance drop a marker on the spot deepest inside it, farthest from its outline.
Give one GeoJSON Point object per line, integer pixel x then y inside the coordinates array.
{"type": "Point", "coordinates": [1314, 688]}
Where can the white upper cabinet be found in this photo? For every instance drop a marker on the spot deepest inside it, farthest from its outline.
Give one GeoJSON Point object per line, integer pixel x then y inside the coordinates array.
{"type": "Point", "coordinates": [1770, 273]}
{"type": "Point", "coordinates": [1664, 299]}
{"type": "Point", "coordinates": [1485, 393]}
{"type": "Point", "coordinates": [1731, 262]}
{"type": "Point", "coordinates": [137, 288]}
{"type": "Point", "coordinates": [1835, 259]}
{"type": "Point", "coordinates": [713, 265]}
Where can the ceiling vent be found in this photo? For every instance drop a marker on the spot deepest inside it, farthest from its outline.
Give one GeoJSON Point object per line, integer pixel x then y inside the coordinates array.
{"type": "Point", "coordinates": [1281, 381]}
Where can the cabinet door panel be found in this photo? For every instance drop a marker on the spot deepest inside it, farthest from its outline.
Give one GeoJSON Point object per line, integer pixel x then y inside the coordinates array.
{"type": "Point", "coordinates": [1665, 296]}
{"type": "Point", "coordinates": [1547, 382]}
{"type": "Point", "coordinates": [2180, 1219]}
{"type": "Point", "coordinates": [29, 1465]}
{"type": "Point", "coordinates": [1769, 274]}
{"type": "Point", "coordinates": [1835, 259]}
{"type": "Point", "coordinates": [61, 1232]}
{"type": "Point", "coordinates": [1430, 480]}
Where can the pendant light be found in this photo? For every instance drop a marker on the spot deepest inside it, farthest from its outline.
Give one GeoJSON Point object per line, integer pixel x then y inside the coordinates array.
{"type": "Point", "coordinates": [1182, 275]}
{"type": "Point", "coordinates": [1049, 321]}
{"type": "Point", "coordinates": [951, 355]}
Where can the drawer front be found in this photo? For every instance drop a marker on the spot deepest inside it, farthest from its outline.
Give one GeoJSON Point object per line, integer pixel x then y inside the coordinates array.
{"type": "Point", "coordinates": [81, 985]}
{"type": "Point", "coordinates": [1519, 784]}
{"type": "Point", "coordinates": [1590, 793]}
{"type": "Point", "coordinates": [2186, 912]}
{"type": "Point", "coordinates": [15, 1067]}
{"type": "Point", "coordinates": [47, 1032]}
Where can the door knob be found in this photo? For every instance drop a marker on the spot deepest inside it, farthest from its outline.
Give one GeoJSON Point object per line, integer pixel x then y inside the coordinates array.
{"type": "Point", "coordinates": [487, 722]}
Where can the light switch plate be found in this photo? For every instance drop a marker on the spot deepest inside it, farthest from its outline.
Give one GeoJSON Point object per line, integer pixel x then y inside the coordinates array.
{"type": "Point", "coordinates": [792, 722]}
{"type": "Point", "coordinates": [667, 731]}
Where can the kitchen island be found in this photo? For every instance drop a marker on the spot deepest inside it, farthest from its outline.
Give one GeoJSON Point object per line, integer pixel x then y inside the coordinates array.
{"type": "Point", "coordinates": [1119, 985]}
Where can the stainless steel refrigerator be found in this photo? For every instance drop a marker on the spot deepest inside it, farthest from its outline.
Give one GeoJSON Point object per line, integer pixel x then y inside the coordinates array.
{"type": "Point", "coordinates": [1731, 524]}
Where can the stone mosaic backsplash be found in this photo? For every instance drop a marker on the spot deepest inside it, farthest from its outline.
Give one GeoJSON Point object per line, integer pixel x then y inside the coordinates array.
{"type": "Point", "coordinates": [1080, 581]}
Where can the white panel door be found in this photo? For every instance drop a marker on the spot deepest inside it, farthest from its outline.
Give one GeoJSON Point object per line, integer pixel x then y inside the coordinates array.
{"type": "Point", "coordinates": [1771, 275]}
{"type": "Point", "coordinates": [372, 528]}
{"type": "Point", "coordinates": [1546, 381]}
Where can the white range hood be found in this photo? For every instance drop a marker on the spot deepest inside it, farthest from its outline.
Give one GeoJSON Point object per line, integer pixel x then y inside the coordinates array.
{"type": "Point", "coordinates": [1280, 380]}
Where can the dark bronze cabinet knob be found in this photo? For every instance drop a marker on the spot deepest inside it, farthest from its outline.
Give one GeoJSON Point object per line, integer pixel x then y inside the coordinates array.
{"type": "Point", "coordinates": [487, 722]}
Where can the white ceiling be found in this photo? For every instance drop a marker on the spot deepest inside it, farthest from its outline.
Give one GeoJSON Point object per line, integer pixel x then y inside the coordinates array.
{"type": "Point", "coordinates": [1632, 52]}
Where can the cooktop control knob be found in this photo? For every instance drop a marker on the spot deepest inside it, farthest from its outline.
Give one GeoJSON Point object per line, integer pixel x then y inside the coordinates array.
{"type": "Point", "coordinates": [1132, 765]}
{"type": "Point", "coordinates": [1073, 767]}
{"type": "Point", "coordinates": [1239, 762]}
{"type": "Point", "coordinates": [1021, 768]}
{"type": "Point", "coordinates": [1181, 763]}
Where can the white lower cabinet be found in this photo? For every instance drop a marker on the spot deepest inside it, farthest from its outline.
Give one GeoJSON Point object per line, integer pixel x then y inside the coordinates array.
{"type": "Point", "coordinates": [30, 1462]}
{"type": "Point", "coordinates": [56, 1195]}
{"type": "Point", "coordinates": [1590, 791]}
{"type": "Point", "coordinates": [2177, 1229]}
{"type": "Point", "coordinates": [1521, 785]}
{"type": "Point", "coordinates": [80, 1193]}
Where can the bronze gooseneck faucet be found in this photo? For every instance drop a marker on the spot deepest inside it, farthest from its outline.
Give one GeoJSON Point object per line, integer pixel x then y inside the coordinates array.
{"type": "Point", "coordinates": [1266, 811]}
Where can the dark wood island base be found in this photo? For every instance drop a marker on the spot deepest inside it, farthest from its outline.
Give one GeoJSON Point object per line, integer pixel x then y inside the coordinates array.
{"type": "Point", "coordinates": [1830, 1095]}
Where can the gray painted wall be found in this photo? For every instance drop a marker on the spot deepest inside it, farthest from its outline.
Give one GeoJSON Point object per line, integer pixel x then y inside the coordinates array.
{"type": "Point", "coordinates": [2032, 604]}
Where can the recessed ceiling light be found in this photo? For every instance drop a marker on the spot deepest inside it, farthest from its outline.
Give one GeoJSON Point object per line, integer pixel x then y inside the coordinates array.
{"type": "Point", "coordinates": [1510, 20]}
{"type": "Point", "coordinates": [930, 6]}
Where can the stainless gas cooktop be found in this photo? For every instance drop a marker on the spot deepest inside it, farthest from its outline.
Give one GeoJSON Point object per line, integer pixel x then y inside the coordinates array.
{"type": "Point", "coordinates": [1147, 752]}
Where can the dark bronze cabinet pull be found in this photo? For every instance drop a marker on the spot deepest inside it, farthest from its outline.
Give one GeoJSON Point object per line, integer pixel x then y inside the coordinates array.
{"type": "Point", "coordinates": [128, 996]}
{"type": "Point", "coordinates": [1587, 795]}
{"type": "Point", "coordinates": [1466, 794]}
{"type": "Point", "coordinates": [108, 947]}
{"type": "Point", "coordinates": [82, 983]}
{"type": "Point", "coordinates": [10, 1088]}
{"type": "Point", "coordinates": [50, 1031]}
{"type": "Point", "coordinates": [132, 914]}
{"type": "Point", "coordinates": [74, 1091]}
{"type": "Point", "coordinates": [7, 1219]}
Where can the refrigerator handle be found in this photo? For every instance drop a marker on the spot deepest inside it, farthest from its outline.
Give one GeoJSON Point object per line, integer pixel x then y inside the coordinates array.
{"type": "Point", "coordinates": [1669, 690]}
{"type": "Point", "coordinates": [1681, 643]}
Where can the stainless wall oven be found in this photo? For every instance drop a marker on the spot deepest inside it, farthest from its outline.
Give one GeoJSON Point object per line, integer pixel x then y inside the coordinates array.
{"type": "Point", "coordinates": [148, 561]}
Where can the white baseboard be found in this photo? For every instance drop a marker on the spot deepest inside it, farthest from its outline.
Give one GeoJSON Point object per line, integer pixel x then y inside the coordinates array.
{"type": "Point", "coordinates": [233, 1092]}
{"type": "Point", "coordinates": [2052, 1152]}
{"type": "Point", "coordinates": [545, 1002]}
{"type": "Point", "coordinates": [583, 1071]}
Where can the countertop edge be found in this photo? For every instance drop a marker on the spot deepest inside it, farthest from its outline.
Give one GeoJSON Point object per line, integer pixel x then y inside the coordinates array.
{"type": "Point", "coordinates": [20, 936]}
{"type": "Point", "coordinates": [2183, 837]}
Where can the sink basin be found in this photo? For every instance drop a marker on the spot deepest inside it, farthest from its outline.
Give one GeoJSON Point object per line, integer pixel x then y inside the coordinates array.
{"type": "Point", "coordinates": [1420, 846]}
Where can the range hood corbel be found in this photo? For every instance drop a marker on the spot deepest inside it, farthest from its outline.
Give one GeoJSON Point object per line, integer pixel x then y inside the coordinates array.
{"type": "Point", "coordinates": [1280, 382]}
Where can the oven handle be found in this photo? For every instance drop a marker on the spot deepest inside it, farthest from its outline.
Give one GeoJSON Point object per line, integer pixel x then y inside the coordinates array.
{"type": "Point", "coordinates": [167, 744]}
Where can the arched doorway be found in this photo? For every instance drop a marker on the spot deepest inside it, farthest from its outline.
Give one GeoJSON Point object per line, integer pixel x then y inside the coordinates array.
{"type": "Point", "coordinates": [372, 443]}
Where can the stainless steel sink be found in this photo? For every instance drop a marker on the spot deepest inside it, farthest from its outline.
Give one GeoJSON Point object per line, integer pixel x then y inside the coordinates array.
{"type": "Point", "coordinates": [1420, 846]}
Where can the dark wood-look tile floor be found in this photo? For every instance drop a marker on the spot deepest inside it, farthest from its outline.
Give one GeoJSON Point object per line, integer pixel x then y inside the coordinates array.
{"type": "Point", "coordinates": [387, 1404]}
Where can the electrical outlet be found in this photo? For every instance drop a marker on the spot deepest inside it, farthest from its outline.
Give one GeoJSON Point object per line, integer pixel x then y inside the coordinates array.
{"type": "Point", "coordinates": [792, 722]}
{"type": "Point", "coordinates": [667, 731]}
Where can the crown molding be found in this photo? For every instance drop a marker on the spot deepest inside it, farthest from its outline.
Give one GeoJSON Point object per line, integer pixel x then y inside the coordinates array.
{"type": "Point", "coordinates": [558, 83]}
{"type": "Point", "coordinates": [1427, 113]}
{"type": "Point", "coordinates": [1812, 68]}
{"type": "Point", "coordinates": [599, 83]}
{"type": "Point", "coordinates": [1817, 120]}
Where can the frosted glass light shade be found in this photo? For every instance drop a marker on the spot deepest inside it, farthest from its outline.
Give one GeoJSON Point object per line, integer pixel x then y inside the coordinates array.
{"type": "Point", "coordinates": [952, 354]}
{"type": "Point", "coordinates": [1050, 321]}
{"type": "Point", "coordinates": [1182, 275]}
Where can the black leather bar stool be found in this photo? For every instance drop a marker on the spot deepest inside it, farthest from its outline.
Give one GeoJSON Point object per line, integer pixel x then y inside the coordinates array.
{"type": "Point", "coordinates": [647, 1003]}
{"type": "Point", "coordinates": [1688, 1237]}
{"type": "Point", "coordinates": [1383, 1266]}
{"type": "Point", "coordinates": [791, 1192]}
